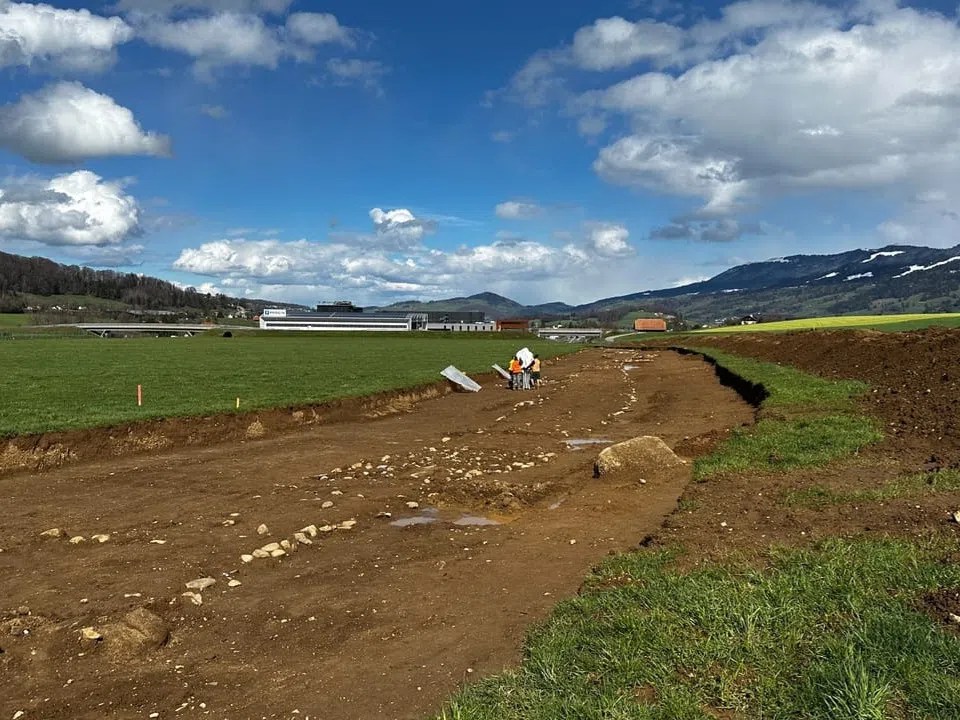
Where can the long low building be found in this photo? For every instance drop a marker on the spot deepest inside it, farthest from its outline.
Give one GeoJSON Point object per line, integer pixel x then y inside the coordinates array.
{"type": "Point", "coordinates": [571, 334]}
{"type": "Point", "coordinates": [478, 326]}
{"type": "Point", "coordinates": [283, 319]}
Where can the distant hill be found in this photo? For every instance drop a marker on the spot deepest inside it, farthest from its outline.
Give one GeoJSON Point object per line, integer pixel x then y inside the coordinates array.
{"type": "Point", "coordinates": [891, 279]}
{"type": "Point", "coordinates": [495, 306]}
{"type": "Point", "coordinates": [36, 282]}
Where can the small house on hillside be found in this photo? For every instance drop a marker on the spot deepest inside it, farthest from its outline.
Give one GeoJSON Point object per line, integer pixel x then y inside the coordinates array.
{"type": "Point", "coordinates": [650, 325]}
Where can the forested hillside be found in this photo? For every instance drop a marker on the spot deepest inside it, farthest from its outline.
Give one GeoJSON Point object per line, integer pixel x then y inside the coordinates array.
{"type": "Point", "coordinates": [24, 278]}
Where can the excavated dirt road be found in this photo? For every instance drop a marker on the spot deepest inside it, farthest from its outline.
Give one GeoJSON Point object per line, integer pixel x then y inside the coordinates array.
{"type": "Point", "coordinates": [376, 621]}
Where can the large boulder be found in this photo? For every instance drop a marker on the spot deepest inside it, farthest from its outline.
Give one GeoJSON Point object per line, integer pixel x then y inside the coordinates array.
{"type": "Point", "coordinates": [646, 455]}
{"type": "Point", "coordinates": [139, 631]}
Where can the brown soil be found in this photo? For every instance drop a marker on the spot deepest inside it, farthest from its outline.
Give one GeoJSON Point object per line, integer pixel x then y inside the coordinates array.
{"type": "Point", "coordinates": [944, 606]}
{"type": "Point", "coordinates": [386, 621]}
{"type": "Point", "coordinates": [914, 381]}
{"type": "Point", "coordinates": [373, 621]}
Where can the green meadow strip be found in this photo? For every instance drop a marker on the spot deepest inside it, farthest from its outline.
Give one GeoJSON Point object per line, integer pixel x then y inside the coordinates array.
{"type": "Point", "coordinates": [62, 383]}
{"type": "Point", "coordinates": [813, 420]}
{"type": "Point", "coordinates": [785, 444]}
{"type": "Point", "coordinates": [906, 321]}
{"type": "Point", "coordinates": [829, 633]}
{"type": "Point", "coordinates": [788, 387]}
{"type": "Point", "coordinates": [914, 485]}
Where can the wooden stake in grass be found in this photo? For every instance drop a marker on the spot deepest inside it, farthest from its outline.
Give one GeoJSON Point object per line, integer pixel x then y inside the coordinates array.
{"type": "Point", "coordinates": [139, 395]}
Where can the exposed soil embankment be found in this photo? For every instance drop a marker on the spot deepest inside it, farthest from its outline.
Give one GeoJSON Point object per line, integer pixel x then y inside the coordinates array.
{"type": "Point", "coordinates": [914, 393]}
{"type": "Point", "coordinates": [914, 377]}
{"type": "Point", "coordinates": [751, 392]}
{"type": "Point", "coordinates": [50, 450]}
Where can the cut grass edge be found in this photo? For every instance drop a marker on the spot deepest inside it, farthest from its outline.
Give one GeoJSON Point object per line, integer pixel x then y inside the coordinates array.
{"type": "Point", "coordinates": [813, 420]}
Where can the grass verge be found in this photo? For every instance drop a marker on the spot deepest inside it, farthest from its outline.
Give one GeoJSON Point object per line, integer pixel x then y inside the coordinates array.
{"type": "Point", "coordinates": [907, 486]}
{"type": "Point", "coordinates": [785, 444]}
{"type": "Point", "coordinates": [788, 388]}
{"type": "Point", "coordinates": [818, 420]}
{"type": "Point", "coordinates": [831, 632]}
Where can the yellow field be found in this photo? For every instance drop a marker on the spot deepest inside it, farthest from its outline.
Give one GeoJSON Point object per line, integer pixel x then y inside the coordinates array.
{"type": "Point", "coordinates": [880, 322]}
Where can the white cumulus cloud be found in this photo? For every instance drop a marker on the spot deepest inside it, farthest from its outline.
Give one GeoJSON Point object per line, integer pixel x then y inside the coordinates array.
{"type": "Point", "coordinates": [399, 228]}
{"type": "Point", "coordinates": [614, 42]}
{"type": "Point", "coordinates": [376, 273]}
{"type": "Point", "coordinates": [66, 122]}
{"type": "Point", "coordinates": [317, 29]}
{"type": "Point", "coordinates": [41, 36]}
{"type": "Point", "coordinates": [609, 239]}
{"type": "Point", "coordinates": [517, 210]}
{"type": "Point", "coordinates": [773, 97]}
{"type": "Point", "coordinates": [231, 38]}
{"type": "Point", "coordinates": [78, 208]}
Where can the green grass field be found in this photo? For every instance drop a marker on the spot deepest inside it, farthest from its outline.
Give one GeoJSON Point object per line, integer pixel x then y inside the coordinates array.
{"type": "Point", "coordinates": [13, 320]}
{"type": "Point", "coordinates": [848, 322]}
{"type": "Point", "coordinates": [59, 383]}
{"type": "Point", "coordinates": [829, 633]}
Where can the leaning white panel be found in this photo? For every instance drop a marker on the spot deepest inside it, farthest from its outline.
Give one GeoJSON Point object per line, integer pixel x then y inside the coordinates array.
{"type": "Point", "coordinates": [456, 376]}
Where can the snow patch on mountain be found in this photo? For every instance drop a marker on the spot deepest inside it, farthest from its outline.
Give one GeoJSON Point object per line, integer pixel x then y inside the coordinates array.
{"type": "Point", "coordinates": [884, 253]}
{"type": "Point", "coordinates": [858, 276]}
{"type": "Point", "coordinates": [919, 268]}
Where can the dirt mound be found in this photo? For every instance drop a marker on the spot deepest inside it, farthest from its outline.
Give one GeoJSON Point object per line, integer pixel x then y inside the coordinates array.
{"type": "Point", "coordinates": [914, 377]}
{"type": "Point", "coordinates": [642, 455]}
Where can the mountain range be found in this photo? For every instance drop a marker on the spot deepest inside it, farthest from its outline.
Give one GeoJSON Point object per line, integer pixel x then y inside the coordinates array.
{"type": "Point", "coordinates": [891, 279]}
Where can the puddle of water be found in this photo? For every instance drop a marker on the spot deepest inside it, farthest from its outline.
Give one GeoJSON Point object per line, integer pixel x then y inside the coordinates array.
{"type": "Point", "coordinates": [576, 443]}
{"type": "Point", "coordinates": [415, 520]}
{"type": "Point", "coordinates": [474, 520]}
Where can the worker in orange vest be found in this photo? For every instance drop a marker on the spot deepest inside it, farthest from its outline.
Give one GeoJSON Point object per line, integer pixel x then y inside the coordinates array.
{"type": "Point", "coordinates": [516, 370]}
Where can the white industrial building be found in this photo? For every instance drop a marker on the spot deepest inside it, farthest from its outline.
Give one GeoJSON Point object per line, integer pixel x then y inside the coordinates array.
{"type": "Point", "coordinates": [283, 319]}
{"type": "Point", "coordinates": [479, 326]}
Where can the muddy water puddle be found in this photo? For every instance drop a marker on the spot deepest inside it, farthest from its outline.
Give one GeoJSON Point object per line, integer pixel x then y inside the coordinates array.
{"type": "Point", "coordinates": [415, 520]}
{"type": "Point", "coordinates": [475, 520]}
{"type": "Point", "coordinates": [432, 515]}
{"type": "Point", "coordinates": [580, 443]}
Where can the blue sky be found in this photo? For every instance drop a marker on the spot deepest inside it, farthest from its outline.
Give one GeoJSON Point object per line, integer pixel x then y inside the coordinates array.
{"type": "Point", "coordinates": [380, 151]}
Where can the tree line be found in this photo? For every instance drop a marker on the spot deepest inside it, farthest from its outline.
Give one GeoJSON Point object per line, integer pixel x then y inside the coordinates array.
{"type": "Point", "coordinates": [20, 276]}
